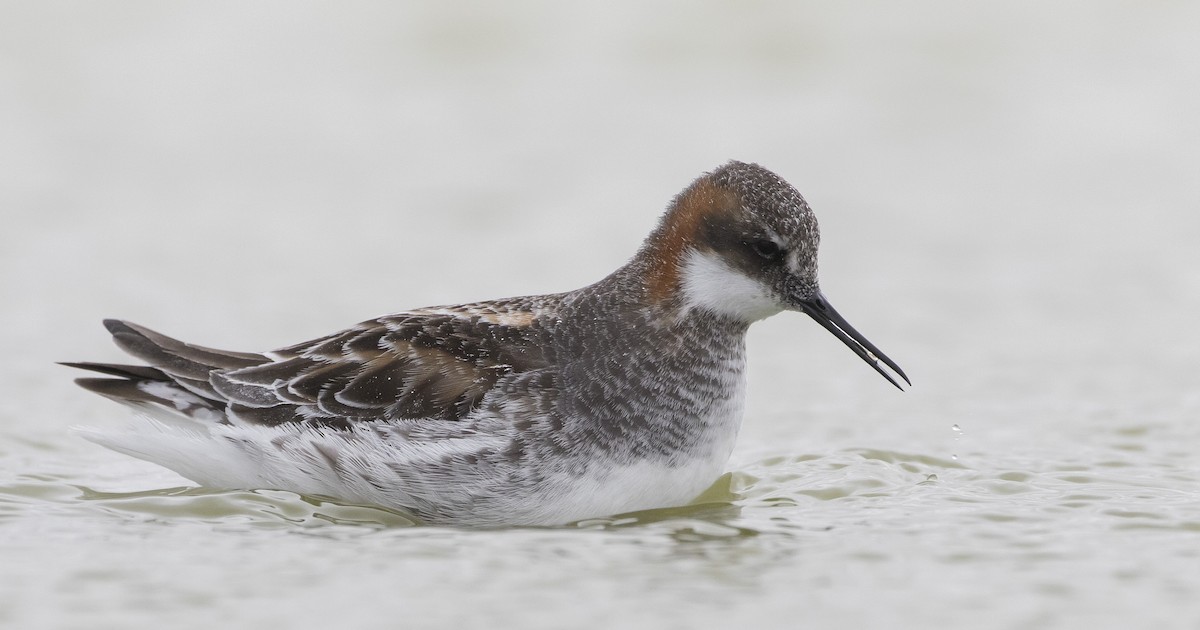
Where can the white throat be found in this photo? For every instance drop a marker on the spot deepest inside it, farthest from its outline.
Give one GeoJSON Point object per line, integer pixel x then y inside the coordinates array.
{"type": "Point", "coordinates": [710, 284]}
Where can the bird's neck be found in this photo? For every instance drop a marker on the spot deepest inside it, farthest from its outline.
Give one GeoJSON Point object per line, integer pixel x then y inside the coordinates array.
{"type": "Point", "coordinates": [642, 316]}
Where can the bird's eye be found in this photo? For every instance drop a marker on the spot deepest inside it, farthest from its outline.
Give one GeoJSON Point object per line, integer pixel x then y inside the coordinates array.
{"type": "Point", "coordinates": [767, 250]}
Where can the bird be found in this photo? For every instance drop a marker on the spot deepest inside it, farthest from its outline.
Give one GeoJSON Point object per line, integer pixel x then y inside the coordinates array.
{"type": "Point", "coordinates": [544, 410]}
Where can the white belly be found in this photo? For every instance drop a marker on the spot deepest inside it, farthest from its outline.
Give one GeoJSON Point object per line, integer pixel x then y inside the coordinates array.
{"type": "Point", "coordinates": [641, 486]}
{"type": "Point", "coordinates": [620, 487]}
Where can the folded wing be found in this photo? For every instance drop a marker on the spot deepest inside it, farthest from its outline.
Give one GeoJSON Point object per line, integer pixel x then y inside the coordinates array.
{"type": "Point", "coordinates": [406, 366]}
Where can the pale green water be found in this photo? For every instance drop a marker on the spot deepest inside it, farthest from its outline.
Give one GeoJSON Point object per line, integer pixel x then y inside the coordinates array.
{"type": "Point", "coordinates": [1010, 206]}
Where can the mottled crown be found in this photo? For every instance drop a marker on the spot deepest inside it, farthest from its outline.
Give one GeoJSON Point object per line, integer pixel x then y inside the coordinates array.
{"type": "Point", "coordinates": [768, 198]}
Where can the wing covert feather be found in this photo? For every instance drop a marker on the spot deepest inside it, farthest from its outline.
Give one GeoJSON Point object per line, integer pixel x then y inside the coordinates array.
{"type": "Point", "coordinates": [406, 366]}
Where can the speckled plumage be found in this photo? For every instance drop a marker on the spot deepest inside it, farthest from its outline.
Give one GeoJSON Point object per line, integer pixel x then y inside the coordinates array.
{"type": "Point", "coordinates": [623, 395]}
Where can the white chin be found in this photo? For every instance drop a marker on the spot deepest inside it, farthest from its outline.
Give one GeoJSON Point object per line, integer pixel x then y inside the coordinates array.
{"type": "Point", "coordinates": [710, 284]}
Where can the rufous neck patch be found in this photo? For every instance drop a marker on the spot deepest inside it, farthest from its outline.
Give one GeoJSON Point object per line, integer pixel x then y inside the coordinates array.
{"type": "Point", "coordinates": [680, 231]}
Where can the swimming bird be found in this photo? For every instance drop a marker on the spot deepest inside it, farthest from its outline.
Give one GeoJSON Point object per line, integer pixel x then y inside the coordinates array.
{"type": "Point", "coordinates": [542, 410]}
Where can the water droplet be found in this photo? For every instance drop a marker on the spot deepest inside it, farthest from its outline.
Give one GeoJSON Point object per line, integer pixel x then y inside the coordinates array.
{"type": "Point", "coordinates": [956, 429]}
{"type": "Point", "coordinates": [954, 457]}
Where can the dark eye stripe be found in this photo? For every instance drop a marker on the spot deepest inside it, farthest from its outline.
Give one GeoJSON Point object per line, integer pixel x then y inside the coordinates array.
{"type": "Point", "coordinates": [767, 249]}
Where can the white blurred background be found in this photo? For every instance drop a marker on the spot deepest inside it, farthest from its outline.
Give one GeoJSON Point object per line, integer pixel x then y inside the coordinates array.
{"type": "Point", "coordinates": [1009, 193]}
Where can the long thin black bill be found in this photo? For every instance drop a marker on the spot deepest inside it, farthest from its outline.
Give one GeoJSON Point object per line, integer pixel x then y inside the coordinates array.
{"type": "Point", "coordinates": [819, 309]}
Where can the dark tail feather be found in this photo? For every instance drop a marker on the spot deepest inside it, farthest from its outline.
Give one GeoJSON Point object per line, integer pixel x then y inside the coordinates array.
{"type": "Point", "coordinates": [130, 388]}
{"type": "Point", "coordinates": [134, 372]}
{"type": "Point", "coordinates": [117, 389]}
{"type": "Point", "coordinates": [177, 379]}
{"type": "Point", "coordinates": [176, 357]}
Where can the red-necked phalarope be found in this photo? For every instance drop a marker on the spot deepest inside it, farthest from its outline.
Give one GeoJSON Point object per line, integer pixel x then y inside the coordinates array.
{"type": "Point", "coordinates": [620, 396]}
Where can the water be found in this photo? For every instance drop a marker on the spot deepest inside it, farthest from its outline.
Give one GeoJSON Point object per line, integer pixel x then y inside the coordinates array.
{"type": "Point", "coordinates": [1009, 205]}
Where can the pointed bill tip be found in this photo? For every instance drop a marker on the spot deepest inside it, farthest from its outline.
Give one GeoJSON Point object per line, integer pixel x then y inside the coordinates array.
{"type": "Point", "coordinates": [823, 312]}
